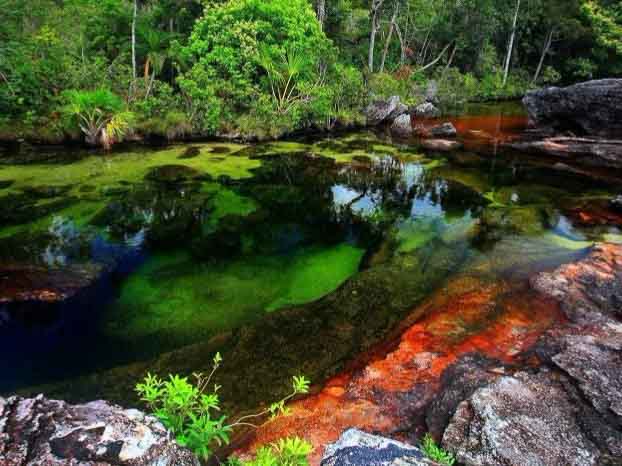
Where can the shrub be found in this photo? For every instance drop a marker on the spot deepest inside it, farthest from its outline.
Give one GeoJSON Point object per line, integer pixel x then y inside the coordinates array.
{"type": "Point", "coordinates": [192, 411]}
{"type": "Point", "coordinates": [436, 453]}
{"type": "Point", "coordinates": [100, 115]}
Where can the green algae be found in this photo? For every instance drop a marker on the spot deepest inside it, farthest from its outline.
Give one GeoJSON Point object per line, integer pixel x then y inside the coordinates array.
{"type": "Point", "coordinates": [176, 300]}
{"type": "Point", "coordinates": [317, 274]}
{"type": "Point", "coordinates": [110, 169]}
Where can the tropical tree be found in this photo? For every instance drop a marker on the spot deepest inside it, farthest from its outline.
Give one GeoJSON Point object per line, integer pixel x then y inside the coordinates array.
{"type": "Point", "coordinates": [101, 115]}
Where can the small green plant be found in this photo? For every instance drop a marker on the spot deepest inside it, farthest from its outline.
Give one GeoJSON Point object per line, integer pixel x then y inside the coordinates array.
{"type": "Point", "coordinates": [436, 453]}
{"type": "Point", "coordinates": [192, 411]}
{"type": "Point", "coordinates": [291, 451]}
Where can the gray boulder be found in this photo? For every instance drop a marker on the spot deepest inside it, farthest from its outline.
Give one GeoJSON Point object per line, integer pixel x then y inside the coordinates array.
{"type": "Point", "coordinates": [385, 111]}
{"type": "Point", "coordinates": [592, 108]}
{"type": "Point", "coordinates": [521, 420]}
{"type": "Point", "coordinates": [445, 130]}
{"type": "Point", "coordinates": [358, 448]}
{"type": "Point", "coordinates": [425, 110]}
{"type": "Point", "coordinates": [38, 431]}
{"type": "Point", "coordinates": [441, 145]}
{"type": "Point", "coordinates": [402, 126]}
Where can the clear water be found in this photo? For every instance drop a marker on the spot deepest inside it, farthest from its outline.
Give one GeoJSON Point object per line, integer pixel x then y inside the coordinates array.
{"type": "Point", "coordinates": [288, 257]}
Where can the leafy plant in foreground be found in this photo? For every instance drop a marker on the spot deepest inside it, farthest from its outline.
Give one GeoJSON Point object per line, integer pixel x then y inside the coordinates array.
{"type": "Point", "coordinates": [436, 453]}
{"type": "Point", "coordinates": [192, 412]}
{"type": "Point", "coordinates": [291, 451]}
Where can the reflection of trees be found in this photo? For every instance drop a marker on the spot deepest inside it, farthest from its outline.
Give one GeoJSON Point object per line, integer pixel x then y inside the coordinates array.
{"type": "Point", "coordinates": [164, 214]}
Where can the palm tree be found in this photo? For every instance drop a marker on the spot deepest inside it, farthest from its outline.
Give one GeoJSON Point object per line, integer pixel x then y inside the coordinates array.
{"type": "Point", "coordinates": [101, 115]}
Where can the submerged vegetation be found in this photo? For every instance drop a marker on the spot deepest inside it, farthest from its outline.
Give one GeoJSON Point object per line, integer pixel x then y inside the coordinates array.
{"type": "Point", "coordinates": [261, 69]}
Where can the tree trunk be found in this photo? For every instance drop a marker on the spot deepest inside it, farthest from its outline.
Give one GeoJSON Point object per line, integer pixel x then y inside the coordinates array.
{"type": "Point", "coordinates": [134, 38]}
{"type": "Point", "coordinates": [146, 70]}
{"type": "Point", "coordinates": [449, 62]}
{"type": "Point", "coordinates": [508, 57]}
{"type": "Point", "coordinates": [389, 37]}
{"type": "Point", "coordinates": [375, 10]}
{"type": "Point", "coordinates": [321, 12]}
{"type": "Point", "coordinates": [402, 44]}
{"type": "Point", "coordinates": [545, 51]}
{"type": "Point", "coordinates": [436, 60]}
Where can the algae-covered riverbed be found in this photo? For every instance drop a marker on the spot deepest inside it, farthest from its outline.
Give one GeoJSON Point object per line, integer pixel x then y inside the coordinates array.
{"type": "Point", "coordinates": [288, 257]}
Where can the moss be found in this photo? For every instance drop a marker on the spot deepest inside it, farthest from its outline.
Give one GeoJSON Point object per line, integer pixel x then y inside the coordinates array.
{"type": "Point", "coordinates": [412, 234]}
{"type": "Point", "coordinates": [110, 169]}
{"type": "Point", "coordinates": [317, 274]}
{"type": "Point", "coordinates": [174, 300]}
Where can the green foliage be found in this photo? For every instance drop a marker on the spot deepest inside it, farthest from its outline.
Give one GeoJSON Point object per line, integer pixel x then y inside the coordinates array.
{"type": "Point", "coordinates": [242, 49]}
{"type": "Point", "coordinates": [192, 413]}
{"type": "Point", "coordinates": [100, 115]}
{"type": "Point", "coordinates": [291, 451]}
{"type": "Point", "coordinates": [436, 453]}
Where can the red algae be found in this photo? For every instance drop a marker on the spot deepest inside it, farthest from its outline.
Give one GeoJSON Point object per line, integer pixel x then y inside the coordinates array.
{"type": "Point", "coordinates": [388, 393]}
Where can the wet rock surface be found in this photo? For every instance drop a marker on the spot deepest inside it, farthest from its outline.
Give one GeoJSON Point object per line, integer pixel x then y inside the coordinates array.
{"type": "Point", "coordinates": [444, 130]}
{"type": "Point", "coordinates": [172, 174]}
{"type": "Point", "coordinates": [53, 433]}
{"type": "Point", "coordinates": [587, 151]}
{"type": "Point", "coordinates": [581, 122]}
{"type": "Point", "coordinates": [23, 282]}
{"type": "Point", "coordinates": [589, 108]}
{"type": "Point", "coordinates": [385, 111]}
{"type": "Point", "coordinates": [424, 111]}
{"type": "Point", "coordinates": [524, 419]}
{"type": "Point", "coordinates": [402, 126]}
{"type": "Point", "coordinates": [569, 410]}
{"type": "Point", "coordinates": [357, 448]}
{"type": "Point", "coordinates": [441, 145]}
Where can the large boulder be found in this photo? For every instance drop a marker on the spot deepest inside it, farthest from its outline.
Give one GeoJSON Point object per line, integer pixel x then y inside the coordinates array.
{"type": "Point", "coordinates": [385, 111]}
{"type": "Point", "coordinates": [526, 419]}
{"type": "Point", "coordinates": [586, 151]}
{"type": "Point", "coordinates": [357, 448]}
{"type": "Point", "coordinates": [425, 111]}
{"type": "Point", "coordinates": [402, 126]}
{"type": "Point", "coordinates": [39, 431]}
{"type": "Point", "coordinates": [591, 108]}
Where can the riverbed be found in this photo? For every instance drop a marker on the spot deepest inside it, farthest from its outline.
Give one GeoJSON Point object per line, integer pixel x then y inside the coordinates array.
{"type": "Point", "coordinates": [310, 256]}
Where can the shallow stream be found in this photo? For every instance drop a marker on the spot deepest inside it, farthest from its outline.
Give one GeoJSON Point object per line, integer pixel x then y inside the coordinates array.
{"type": "Point", "coordinates": [288, 257]}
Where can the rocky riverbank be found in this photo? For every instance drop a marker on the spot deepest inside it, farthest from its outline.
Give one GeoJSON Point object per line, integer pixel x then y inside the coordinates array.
{"type": "Point", "coordinates": [512, 395]}
{"type": "Point", "coordinates": [580, 123]}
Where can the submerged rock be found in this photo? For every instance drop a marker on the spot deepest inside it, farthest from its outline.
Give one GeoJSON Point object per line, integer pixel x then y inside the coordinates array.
{"type": "Point", "coordinates": [524, 419]}
{"type": "Point", "coordinates": [384, 111]}
{"type": "Point", "coordinates": [190, 153]}
{"type": "Point", "coordinates": [592, 108]}
{"type": "Point", "coordinates": [358, 448]}
{"type": "Point", "coordinates": [21, 283]}
{"type": "Point", "coordinates": [173, 174]}
{"type": "Point", "coordinates": [54, 433]}
{"type": "Point", "coordinates": [46, 192]}
{"type": "Point", "coordinates": [441, 145]}
{"type": "Point", "coordinates": [402, 126]}
{"type": "Point", "coordinates": [445, 130]}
